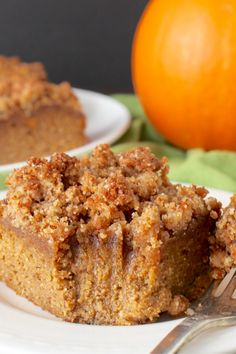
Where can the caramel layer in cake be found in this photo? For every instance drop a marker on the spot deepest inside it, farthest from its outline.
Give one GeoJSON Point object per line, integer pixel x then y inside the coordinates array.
{"type": "Point", "coordinates": [105, 239]}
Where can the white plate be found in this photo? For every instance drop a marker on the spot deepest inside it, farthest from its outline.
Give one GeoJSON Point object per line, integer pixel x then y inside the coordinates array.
{"type": "Point", "coordinates": [107, 121]}
{"type": "Point", "coordinates": [25, 328]}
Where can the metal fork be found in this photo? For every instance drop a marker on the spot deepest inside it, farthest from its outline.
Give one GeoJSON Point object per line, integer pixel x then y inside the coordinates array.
{"type": "Point", "coordinates": [217, 308]}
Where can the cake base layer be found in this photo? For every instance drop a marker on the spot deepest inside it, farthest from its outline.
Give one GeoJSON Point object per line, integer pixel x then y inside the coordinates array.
{"type": "Point", "coordinates": [34, 274]}
{"type": "Point", "coordinates": [119, 285]}
{"type": "Point", "coordinates": [105, 287]}
{"type": "Point", "coordinates": [48, 130]}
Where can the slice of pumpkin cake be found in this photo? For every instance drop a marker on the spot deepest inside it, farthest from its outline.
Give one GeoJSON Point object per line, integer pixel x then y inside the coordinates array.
{"type": "Point", "coordinates": [105, 239]}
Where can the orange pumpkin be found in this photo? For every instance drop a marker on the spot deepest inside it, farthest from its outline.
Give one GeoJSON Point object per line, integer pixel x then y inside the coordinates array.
{"type": "Point", "coordinates": [184, 70]}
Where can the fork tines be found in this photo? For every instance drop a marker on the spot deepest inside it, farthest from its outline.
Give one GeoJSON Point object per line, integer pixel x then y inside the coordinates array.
{"type": "Point", "coordinates": [224, 284]}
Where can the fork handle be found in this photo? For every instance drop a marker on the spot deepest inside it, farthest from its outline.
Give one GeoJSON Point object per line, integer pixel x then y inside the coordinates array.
{"type": "Point", "coordinates": [188, 329]}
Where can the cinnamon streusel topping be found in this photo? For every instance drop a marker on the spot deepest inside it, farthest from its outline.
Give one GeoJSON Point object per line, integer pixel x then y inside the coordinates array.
{"type": "Point", "coordinates": [53, 198]}
{"type": "Point", "coordinates": [12, 68]}
{"type": "Point", "coordinates": [30, 95]}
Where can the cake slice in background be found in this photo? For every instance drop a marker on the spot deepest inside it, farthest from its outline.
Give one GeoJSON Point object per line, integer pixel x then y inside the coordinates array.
{"type": "Point", "coordinates": [105, 239]}
{"type": "Point", "coordinates": [36, 117]}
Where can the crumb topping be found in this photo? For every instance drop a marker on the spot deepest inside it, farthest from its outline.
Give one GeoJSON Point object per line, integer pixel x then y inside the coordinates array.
{"type": "Point", "coordinates": [23, 87]}
{"type": "Point", "coordinates": [12, 68]}
{"type": "Point", "coordinates": [178, 305]}
{"type": "Point", "coordinates": [65, 195]}
{"type": "Point", "coordinates": [30, 95]}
